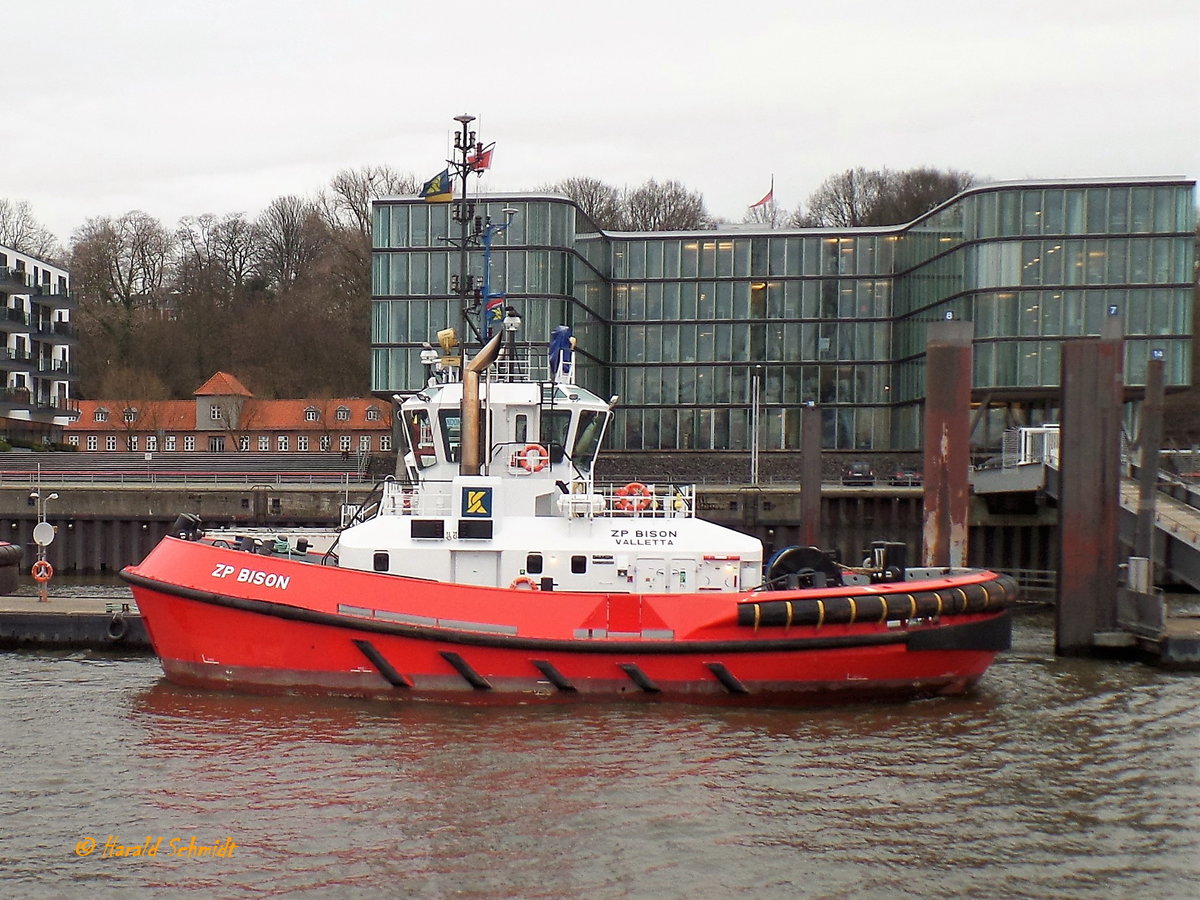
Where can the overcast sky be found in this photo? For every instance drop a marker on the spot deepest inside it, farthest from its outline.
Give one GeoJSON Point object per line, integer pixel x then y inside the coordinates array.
{"type": "Point", "coordinates": [182, 108]}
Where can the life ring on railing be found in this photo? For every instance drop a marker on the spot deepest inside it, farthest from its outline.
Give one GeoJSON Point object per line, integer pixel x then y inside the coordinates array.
{"type": "Point", "coordinates": [533, 458]}
{"type": "Point", "coordinates": [524, 583]}
{"type": "Point", "coordinates": [635, 496]}
{"type": "Point", "coordinates": [42, 571]}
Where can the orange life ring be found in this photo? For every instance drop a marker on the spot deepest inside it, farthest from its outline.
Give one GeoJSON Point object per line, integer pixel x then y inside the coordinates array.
{"type": "Point", "coordinates": [42, 571]}
{"type": "Point", "coordinates": [540, 458]}
{"type": "Point", "coordinates": [524, 583]}
{"type": "Point", "coordinates": [635, 496]}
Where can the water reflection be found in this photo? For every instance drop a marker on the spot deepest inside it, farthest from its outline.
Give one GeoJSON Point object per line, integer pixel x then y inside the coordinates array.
{"type": "Point", "coordinates": [1057, 778]}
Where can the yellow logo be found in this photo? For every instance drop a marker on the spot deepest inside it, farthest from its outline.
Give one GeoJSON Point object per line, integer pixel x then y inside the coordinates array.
{"type": "Point", "coordinates": [477, 502]}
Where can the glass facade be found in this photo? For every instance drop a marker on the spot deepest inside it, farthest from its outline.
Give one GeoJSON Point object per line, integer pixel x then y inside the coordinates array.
{"type": "Point", "coordinates": [681, 324]}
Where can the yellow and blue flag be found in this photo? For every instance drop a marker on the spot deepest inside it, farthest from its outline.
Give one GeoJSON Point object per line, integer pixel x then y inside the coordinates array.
{"type": "Point", "coordinates": [438, 189]}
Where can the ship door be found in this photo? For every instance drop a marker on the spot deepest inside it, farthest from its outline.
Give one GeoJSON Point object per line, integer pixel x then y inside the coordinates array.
{"type": "Point", "coordinates": [475, 566]}
{"type": "Point", "coordinates": [666, 576]}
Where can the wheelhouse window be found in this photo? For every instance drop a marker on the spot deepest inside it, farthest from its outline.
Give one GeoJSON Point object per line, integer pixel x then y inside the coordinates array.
{"type": "Point", "coordinates": [587, 437]}
{"type": "Point", "coordinates": [555, 426]}
{"type": "Point", "coordinates": [451, 425]}
{"type": "Point", "coordinates": [419, 435]}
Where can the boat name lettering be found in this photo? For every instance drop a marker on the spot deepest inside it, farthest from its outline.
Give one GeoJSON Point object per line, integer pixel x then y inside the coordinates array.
{"type": "Point", "coordinates": [253, 576]}
{"type": "Point", "coordinates": [644, 537]}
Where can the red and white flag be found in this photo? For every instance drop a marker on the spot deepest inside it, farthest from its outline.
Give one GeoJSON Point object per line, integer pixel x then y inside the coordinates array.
{"type": "Point", "coordinates": [479, 160]}
{"type": "Point", "coordinates": [769, 196]}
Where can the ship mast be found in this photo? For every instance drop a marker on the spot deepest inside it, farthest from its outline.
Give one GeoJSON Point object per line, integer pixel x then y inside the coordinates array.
{"type": "Point", "coordinates": [466, 150]}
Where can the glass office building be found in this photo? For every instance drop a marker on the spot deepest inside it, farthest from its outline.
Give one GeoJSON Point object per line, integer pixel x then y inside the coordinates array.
{"type": "Point", "coordinates": [683, 325]}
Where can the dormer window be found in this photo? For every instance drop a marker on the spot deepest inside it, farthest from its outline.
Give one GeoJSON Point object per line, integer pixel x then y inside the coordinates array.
{"type": "Point", "coordinates": [102, 415]}
{"type": "Point", "coordinates": [343, 414]}
{"type": "Point", "coordinates": [214, 413]}
{"type": "Point", "coordinates": [311, 414]}
{"type": "Point", "coordinates": [372, 413]}
{"type": "Point", "coordinates": [130, 414]}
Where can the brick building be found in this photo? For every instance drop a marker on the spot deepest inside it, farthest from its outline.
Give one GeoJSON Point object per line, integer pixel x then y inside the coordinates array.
{"type": "Point", "coordinates": [226, 417]}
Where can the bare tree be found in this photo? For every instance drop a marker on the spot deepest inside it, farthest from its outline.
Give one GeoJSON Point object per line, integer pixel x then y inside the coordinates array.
{"type": "Point", "coordinates": [770, 214]}
{"type": "Point", "coordinates": [346, 203]}
{"type": "Point", "coordinates": [664, 207]}
{"type": "Point", "coordinates": [291, 240]}
{"type": "Point", "coordinates": [118, 267]}
{"type": "Point", "coordinates": [866, 197]}
{"type": "Point", "coordinates": [600, 202]}
{"type": "Point", "coordinates": [20, 230]}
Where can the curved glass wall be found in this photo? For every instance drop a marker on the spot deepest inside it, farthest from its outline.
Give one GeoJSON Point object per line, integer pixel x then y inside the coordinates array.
{"type": "Point", "coordinates": [680, 325]}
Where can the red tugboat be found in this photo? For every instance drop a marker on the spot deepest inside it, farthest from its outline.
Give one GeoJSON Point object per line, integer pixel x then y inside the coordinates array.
{"type": "Point", "coordinates": [495, 567]}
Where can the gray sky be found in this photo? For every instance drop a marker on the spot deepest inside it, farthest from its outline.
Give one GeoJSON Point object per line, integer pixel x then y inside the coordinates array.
{"type": "Point", "coordinates": [182, 108]}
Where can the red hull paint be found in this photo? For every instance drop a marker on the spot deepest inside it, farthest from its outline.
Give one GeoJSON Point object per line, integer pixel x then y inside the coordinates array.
{"type": "Point", "coordinates": [305, 628]}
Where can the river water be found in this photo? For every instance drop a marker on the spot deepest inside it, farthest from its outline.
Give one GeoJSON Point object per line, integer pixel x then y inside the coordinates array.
{"type": "Point", "coordinates": [1055, 778]}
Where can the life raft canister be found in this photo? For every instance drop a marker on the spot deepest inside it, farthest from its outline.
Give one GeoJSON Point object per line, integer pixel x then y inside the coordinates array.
{"type": "Point", "coordinates": [634, 496]}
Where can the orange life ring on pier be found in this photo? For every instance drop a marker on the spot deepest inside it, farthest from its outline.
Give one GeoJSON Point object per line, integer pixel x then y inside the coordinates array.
{"type": "Point", "coordinates": [42, 571]}
{"type": "Point", "coordinates": [635, 496]}
{"type": "Point", "coordinates": [533, 458]}
{"type": "Point", "coordinates": [524, 583]}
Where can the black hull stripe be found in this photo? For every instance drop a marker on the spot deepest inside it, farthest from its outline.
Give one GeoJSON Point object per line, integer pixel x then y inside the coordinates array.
{"type": "Point", "coordinates": [509, 642]}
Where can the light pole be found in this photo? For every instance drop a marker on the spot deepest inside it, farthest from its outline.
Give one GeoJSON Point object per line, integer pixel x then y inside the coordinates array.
{"type": "Point", "coordinates": [43, 536]}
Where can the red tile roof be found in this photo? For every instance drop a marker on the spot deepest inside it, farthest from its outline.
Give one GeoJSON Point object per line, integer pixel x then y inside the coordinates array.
{"type": "Point", "coordinates": [222, 384]}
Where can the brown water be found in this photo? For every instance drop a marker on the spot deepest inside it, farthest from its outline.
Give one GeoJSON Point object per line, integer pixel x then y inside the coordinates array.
{"type": "Point", "coordinates": [1057, 778]}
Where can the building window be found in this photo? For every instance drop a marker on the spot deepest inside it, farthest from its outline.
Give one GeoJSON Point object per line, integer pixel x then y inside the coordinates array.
{"type": "Point", "coordinates": [214, 413]}
{"type": "Point", "coordinates": [385, 443]}
{"type": "Point", "coordinates": [343, 414]}
{"type": "Point", "coordinates": [345, 443]}
{"type": "Point", "coordinates": [130, 414]}
{"type": "Point", "coordinates": [133, 443]}
{"type": "Point", "coordinates": [282, 443]}
{"type": "Point", "coordinates": [310, 414]}
{"type": "Point", "coordinates": [189, 443]}
{"type": "Point", "coordinates": [110, 442]}
{"type": "Point", "coordinates": [101, 415]}
{"type": "Point", "coordinates": [171, 442]}
{"type": "Point", "coordinates": [325, 442]}
{"type": "Point", "coordinates": [92, 442]}
{"type": "Point", "coordinates": [244, 443]}
{"type": "Point", "coordinates": [216, 444]}
{"type": "Point", "coordinates": [264, 444]}
{"type": "Point", "coordinates": [364, 443]}
{"type": "Point", "coordinates": [151, 443]}
{"type": "Point", "coordinates": [302, 443]}
{"type": "Point", "coordinates": [372, 413]}
{"type": "Point", "coordinates": [73, 440]}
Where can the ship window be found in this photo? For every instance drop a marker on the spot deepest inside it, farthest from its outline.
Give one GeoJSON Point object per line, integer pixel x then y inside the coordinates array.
{"type": "Point", "coordinates": [420, 439]}
{"type": "Point", "coordinates": [381, 561]}
{"type": "Point", "coordinates": [451, 421]}
{"type": "Point", "coordinates": [521, 434]}
{"type": "Point", "coordinates": [578, 565]}
{"type": "Point", "coordinates": [533, 564]}
{"type": "Point", "coordinates": [587, 438]}
{"type": "Point", "coordinates": [555, 425]}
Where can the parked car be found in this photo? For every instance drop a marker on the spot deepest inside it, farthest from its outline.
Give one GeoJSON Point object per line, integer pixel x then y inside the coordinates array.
{"type": "Point", "coordinates": [906, 476]}
{"type": "Point", "coordinates": [858, 472]}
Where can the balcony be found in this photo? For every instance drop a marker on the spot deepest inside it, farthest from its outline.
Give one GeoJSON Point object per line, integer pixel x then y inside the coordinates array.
{"type": "Point", "coordinates": [16, 361]}
{"type": "Point", "coordinates": [13, 281]}
{"type": "Point", "coordinates": [47, 297]}
{"type": "Point", "coordinates": [15, 398]}
{"type": "Point", "coordinates": [57, 369]}
{"type": "Point", "coordinates": [57, 405]}
{"type": "Point", "coordinates": [57, 333]}
{"type": "Point", "coordinates": [14, 320]}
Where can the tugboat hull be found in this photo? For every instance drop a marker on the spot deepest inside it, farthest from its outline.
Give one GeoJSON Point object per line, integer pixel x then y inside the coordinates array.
{"type": "Point", "coordinates": [229, 620]}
